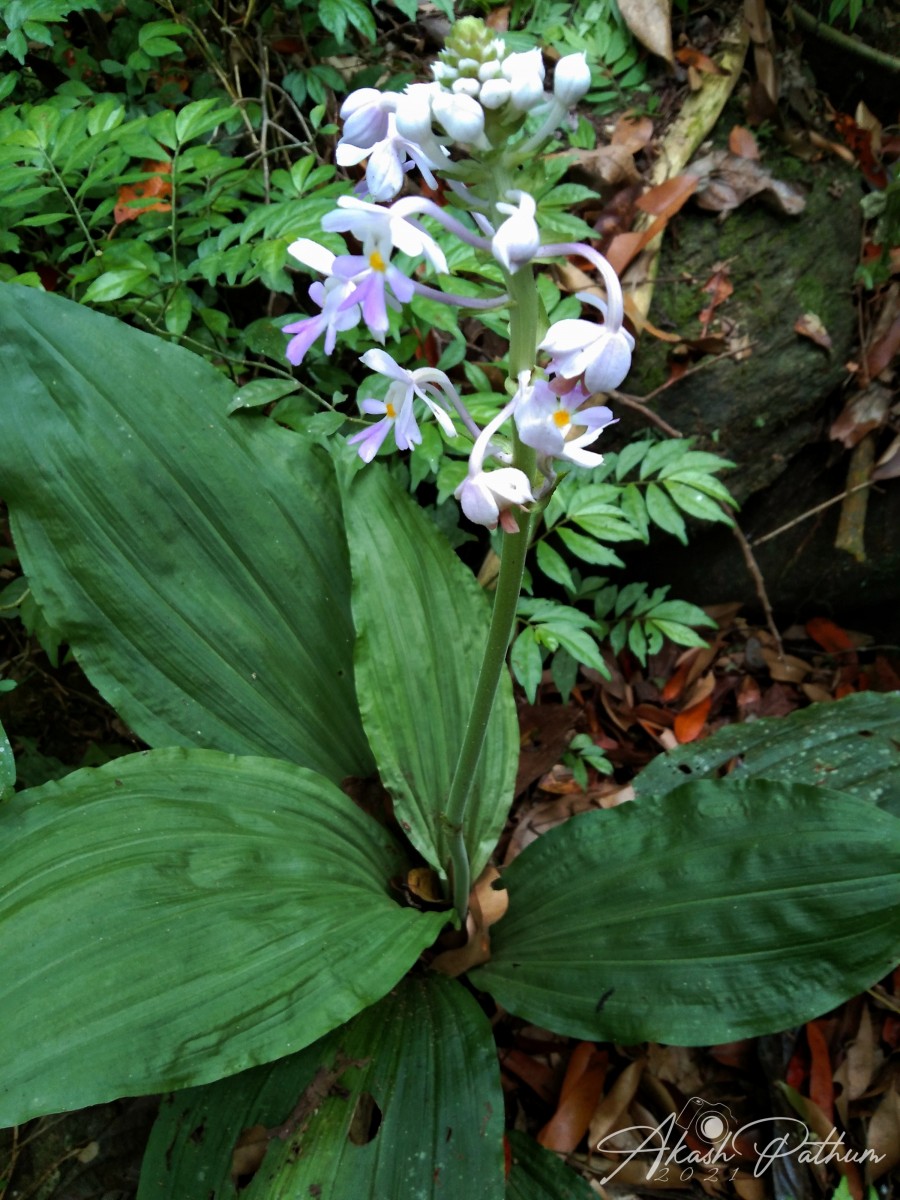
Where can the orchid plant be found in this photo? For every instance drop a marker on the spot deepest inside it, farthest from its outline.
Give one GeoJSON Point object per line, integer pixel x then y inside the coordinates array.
{"type": "Point", "coordinates": [244, 916]}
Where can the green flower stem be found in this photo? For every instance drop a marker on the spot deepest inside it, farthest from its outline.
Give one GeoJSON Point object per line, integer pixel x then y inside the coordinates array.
{"type": "Point", "coordinates": [523, 333]}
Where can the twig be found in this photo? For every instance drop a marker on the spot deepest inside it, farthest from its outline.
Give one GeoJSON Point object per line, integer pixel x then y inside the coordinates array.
{"type": "Point", "coordinates": [843, 41]}
{"type": "Point", "coordinates": [810, 512]}
{"type": "Point", "coordinates": [637, 404]}
{"type": "Point", "coordinates": [760, 584]}
{"type": "Point", "coordinates": [698, 366]}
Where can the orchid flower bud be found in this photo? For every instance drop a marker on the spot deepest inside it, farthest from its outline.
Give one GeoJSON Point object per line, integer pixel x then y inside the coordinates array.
{"type": "Point", "coordinates": [495, 93]}
{"type": "Point", "coordinates": [525, 73]}
{"type": "Point", "coordinates": [461, 116]}
{"type": "Point", "coordinates": [365, 114]}
{"type": "Point", "coordinates": [413, 114]}
{"type": "Point", "coordinates": [571, 79]}
{"type": "Point", "coordinates": [485, 496]}
{"type": "Point", "coordinates": [518, 239]}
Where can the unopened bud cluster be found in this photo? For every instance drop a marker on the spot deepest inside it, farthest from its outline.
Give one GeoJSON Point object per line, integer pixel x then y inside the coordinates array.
{"type": "Point", "coordinates": [491, 109]}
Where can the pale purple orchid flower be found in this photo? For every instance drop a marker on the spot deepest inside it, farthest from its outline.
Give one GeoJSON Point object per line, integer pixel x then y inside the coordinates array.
{"type": "Point", "coordinates": [422, 382]}
{"type": "Point", "coordinates": [599, 353]}
{"type": "Point", "coordinates": [370, 283]}
{"type": "Point", "coordinates": [366, 114]}
{"type": "Point", "coordinates": [402, 420]}
{"type": "Point", "coordinates": [398, 407]}
{"type": "Point", "coordinates": [385, 229]}
{"type": "Point", "coordinates": [557, 426]}
{"type": "Point", "coordinates": [389, 160]}
{"type": "Point", "coordinates": [331, 296]}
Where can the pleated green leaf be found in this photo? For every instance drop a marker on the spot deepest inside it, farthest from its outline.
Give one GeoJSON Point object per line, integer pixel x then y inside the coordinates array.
{"type": "Point", "coordinates": [538, 1174]}
{"type": "Point", "coordinates": [405, 1101]}
{"type": "Point", "coordinates": [180, 915]}
{"type": "Point", "coordinates": [194, 561]}
{"type": "Point", "coordinates": [7, 766]}
{"type": "Point", "coordinates": [421, 623]}
{"type": "Point", "coordinates": [714, 913]}
{"type": "Point", "coordinates": [850, 746]}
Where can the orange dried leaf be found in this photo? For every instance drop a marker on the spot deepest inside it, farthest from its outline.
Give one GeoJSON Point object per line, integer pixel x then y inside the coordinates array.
{"type": "Point", "coordinates": [540, 1077]}
{"type": "Point", "coordinates": [667, 198]}
{"type": "Point", "coordinates": [689, 724]}
{"type": "Point", "coordinates": [578, 1098]}
{"type": "Point", "coordinates": [689, 56]}
{"type": "Point", "coordinates": [632, 132]}
{"type": "Point", "coordinates": [821, 1087]}
{"type": "Point", "coordinates": [829, 636]}
{"type": "Point", "coordinates": [623, 249]}
{"type": "Point", "coordinates": [154, 190]}
{"type": "Point", "coordinates": [742, 142]}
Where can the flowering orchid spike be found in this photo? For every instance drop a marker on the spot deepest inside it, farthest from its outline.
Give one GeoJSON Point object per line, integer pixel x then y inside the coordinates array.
{"type": "Point", "coordinates": [558, 427]}
{"type": "Point", "coordinates": [518, 239]}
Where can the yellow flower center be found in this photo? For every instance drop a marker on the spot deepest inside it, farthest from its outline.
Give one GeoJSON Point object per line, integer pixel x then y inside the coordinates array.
{"type": "Point", "coordinates": [376, 262]}
{"type": "Point", "coordinates": [390, 411]}
{"type": "Point", "coordinates": [561, 418]}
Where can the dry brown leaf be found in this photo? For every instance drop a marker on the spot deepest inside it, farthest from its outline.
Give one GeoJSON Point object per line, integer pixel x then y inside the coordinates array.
{"type": "Point", "coordinates": [651, 23]}
{"type": "Point", "coordinates": [760, 25]}
{"type": "Point", "coordinates": [727, 181]}
{"type": "Point", "coordinates": [608, 166]}
{"type": "Point", "coordinates": [884, 1134]}
{"type": "Point", "coordinates": [634, 133]}
{"type": "Point", "coordinates": [610, 1110]}
{"type": "Point", "coordinates": [787, 668]}
{"type": "Point", "coordinates": [249, 1151]}
{"type": "Point", "coordinates": [476, 951]}
{"type": "Point", "coordinates": [863, 1058]}
{"type": "Point", "coordinates": [815, 693]}
{"type": "Point", "coordinates": [838, 149]}
{"type": "Point", "coordinates": [424, 883]}
{"type": "Point", "coordinates": [864, 412]}
{"type": "Point", "coordinates": [811, 326]}
{"type": "Point", "coordinates": [578, 1098]}
{"type": "Point", "coordinates": [698, 62]}
{"type": "Point", "coordinates": [888, 465]}
{"type": "Point", "coordinates": [742, 142]}
{"type": "Point", "coordinates": [882, 351]}
{"type": "Point", "coordinates": [676, 1064]}
{"type": "Point", "coordinates": [571, 278]}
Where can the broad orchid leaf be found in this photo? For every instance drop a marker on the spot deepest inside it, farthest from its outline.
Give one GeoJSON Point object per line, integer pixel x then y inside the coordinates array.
{"type": "Point", "coordinates": [414, 603]}
{"type": "Point", "coordinates": [714, 913]}
{"type": "Point", "coordinates": [7, 766]}
{"type": "Point", "coordinates": [405, 1101]}
{"type": "Point", "coordinates": [538, 1174]}
{"type": "Point", "coordinates": [851, 746]}
{"type": "Point", "coordinates": [194, 561]}
{"type": "Point", "coordinates": [180, 915]}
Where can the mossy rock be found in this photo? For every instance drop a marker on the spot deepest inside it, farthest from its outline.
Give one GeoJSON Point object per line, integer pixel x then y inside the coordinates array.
{"type": "Point", "coordinates": [763, 409]}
